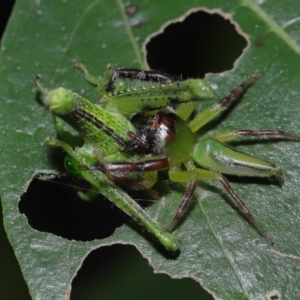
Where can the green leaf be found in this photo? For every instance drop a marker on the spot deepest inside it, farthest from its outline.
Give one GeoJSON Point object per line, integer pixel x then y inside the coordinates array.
{"type": "Point", "coordinates": [219, 248]}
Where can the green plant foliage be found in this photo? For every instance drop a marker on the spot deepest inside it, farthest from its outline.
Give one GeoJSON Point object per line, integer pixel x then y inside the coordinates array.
{"type": "Point", "coordinates": [218, 247]}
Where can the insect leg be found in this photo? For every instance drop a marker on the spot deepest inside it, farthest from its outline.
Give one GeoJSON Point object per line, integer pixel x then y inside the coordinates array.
{"type": "Point", "coordinates": [88, 77]}
{"type": "Point", "coordinates": [125, 73]}
{"type": "Point", "coordinates": [96, 81]}
{"type": "Point", "coordinates": [148, 165]}
{"type": "Point", "coordinates": [136, 175]}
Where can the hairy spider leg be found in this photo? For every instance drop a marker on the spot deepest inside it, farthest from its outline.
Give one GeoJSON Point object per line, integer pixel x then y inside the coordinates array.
{"type": "Point", "coordinates": [233, 134]}
{"type": "Point", "coordinates": [184, 203]}
{"type": "Point", "coordinates": [213, 111]}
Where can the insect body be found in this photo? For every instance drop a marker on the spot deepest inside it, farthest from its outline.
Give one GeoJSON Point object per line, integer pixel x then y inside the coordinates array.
{"type": "Point", "coordinates": [137, 91]}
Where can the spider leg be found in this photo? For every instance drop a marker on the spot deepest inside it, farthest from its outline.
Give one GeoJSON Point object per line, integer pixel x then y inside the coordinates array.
{"type": "Point", "coordinates": [185, 110]}
{"type": "Point", "coordinates": [203, 174]}
{"type": "Point", "coordinates": [213, 111]}
{"type": "Point", "coordinates": [233, 134]}
{"type": "Point", "coordinates": [243, 208]}
{"type": "Point", "coordinates": [190, 191]}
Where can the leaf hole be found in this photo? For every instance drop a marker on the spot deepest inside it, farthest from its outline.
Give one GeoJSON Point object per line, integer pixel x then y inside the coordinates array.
{"type": "Point", "coordinates": [111, 273]}
{"type": "Point", "coordinates": [53, 206]}
{"type": "Point", "coordinates": [197, 43]}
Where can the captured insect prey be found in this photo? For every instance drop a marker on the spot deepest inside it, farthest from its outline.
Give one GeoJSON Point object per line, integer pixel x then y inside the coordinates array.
{"type": "Point", "coordinates": [120, 150]}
